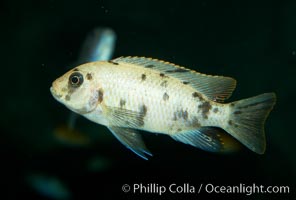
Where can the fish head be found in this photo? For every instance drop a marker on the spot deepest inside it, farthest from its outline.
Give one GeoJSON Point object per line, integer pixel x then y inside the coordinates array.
{"type": "Point", "coordinates": [77, 89]}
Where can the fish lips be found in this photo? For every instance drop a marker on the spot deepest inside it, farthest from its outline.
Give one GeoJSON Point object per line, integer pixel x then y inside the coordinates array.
{"type": "Point", "coordinates": [55, 95]}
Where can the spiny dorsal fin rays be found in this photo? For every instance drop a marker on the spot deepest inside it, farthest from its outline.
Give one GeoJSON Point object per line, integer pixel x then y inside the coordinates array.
{"type": "Point", "coordinates": [216, 88]}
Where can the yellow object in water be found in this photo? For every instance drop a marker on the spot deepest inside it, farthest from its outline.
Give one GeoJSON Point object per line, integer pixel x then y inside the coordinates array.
{"type": "Point", "coordinates": [71, 136]}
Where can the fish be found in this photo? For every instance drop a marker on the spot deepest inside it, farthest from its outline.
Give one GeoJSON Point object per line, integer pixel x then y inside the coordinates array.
{"type": "Point", "coordinates": [132, 94]}
{"type": "Point", "coordinates": [49, 186]}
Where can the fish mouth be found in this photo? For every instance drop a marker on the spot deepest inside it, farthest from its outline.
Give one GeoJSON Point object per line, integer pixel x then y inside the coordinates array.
{"type": "Point", "coordinates": [54, 94]}
{"type": "Point", "coordinates": [59, 99]}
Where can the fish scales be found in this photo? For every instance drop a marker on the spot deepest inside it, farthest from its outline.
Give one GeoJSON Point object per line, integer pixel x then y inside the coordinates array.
{"type": "Point", "coordinates": [164, 115]}
{"type": "Point", "coordinates": [136, 93]}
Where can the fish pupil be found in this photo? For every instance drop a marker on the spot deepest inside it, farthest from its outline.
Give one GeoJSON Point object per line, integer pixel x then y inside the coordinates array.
{"type": "Point", "coordinates": [76, 79]}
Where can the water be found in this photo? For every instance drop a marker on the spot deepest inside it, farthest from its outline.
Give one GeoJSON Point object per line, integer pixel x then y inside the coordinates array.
{"type": "Point", "coordinates": [252, 42]}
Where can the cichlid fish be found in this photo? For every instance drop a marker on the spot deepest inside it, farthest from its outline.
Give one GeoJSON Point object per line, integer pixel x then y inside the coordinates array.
{"type": "Point", "coordinates": [128, 94]}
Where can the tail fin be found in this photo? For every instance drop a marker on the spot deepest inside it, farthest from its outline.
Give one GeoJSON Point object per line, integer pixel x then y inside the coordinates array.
{"type": "Point", "coordinates": [247, 118]}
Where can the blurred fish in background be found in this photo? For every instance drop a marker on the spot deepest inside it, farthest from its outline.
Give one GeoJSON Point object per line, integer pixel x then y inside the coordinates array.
{"type": "Point", "coordinates": [68, 135]}
{"type": "Point", "coordinates": [99, 45]}
{"type": "Point", "coordinates": [48, 186]}
{"type": "Point", "coordinates": [97, 163]}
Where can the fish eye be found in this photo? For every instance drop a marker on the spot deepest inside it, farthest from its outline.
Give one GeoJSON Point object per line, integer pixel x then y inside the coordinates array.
{"type": "Point", "coordinates": [76, 79]}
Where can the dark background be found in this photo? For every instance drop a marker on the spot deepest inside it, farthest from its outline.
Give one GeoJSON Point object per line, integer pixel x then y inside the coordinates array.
{"type": "Point", "coordinates": [252, 41]}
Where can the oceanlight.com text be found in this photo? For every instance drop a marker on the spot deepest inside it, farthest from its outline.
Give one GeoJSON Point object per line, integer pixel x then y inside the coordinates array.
{"type": "Point", "coordinates": [208, 188]}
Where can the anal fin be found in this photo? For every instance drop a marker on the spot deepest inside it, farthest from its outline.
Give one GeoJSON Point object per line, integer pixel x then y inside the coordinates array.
{"type": "Point", "coordinates": [132, 140]}
{"type": "Point", "coordinates": [210, 139]}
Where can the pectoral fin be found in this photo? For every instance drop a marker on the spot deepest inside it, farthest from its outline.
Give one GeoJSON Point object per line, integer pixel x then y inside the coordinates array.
{"type": "Point", "coordinates": [132, 140]}
{"type": "Point", "coordinates": [125, 118]}
{"type": "Point", "coordinates": [209, 139]}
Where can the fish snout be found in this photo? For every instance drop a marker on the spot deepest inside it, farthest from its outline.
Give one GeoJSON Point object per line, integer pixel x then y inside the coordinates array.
{"type": "Point", "coordinates": [55, 90]}
{"type": "Point", "coordinates": [54, 94]}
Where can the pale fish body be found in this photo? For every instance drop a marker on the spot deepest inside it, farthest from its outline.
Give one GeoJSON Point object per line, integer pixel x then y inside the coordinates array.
{"type": "Point", "coordinates": [135, 93]}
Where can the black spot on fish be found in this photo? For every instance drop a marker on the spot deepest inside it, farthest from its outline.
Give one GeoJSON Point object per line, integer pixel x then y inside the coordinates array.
{"type": "Point", "coordinates": [122, 103]}
{"type": "Point", "coordinates": [175, 116]}
{"type": "Point", "coordinates": [89, 76]}
{"type": "Point", "coordinates": [112, 62]}
{"type": "Point", "coordinates": [165, 96]}
{"type": "Point", "coordinates": [164, 83]}
{"type": "Point", "coordinates": [142, 114]}
{"type": "Point", "coordinates": [205, 108]}
{"type": "Point", "coordinates": [150, 66]}
{"type": "Point", "coordinates": [232, 104]}
{"type": "Point", "coordinates": [185, 82]}
{"type": "Point", "coordinates": [161, 75]}
{"type": "Point", "coordinates": [68, 97]}
{"type": "Point", "coordinates": [100, 95]}
{"type": "Point", "coordinates": [70, 89]}
{"type": "Point", "coordinates": [215, 110]}
{"type": "Point", "coordinates": [179, 70]}
{"type": "Point", "coordinates": [230, 122]}
{"type": "Point", "coordinates": [237, 112]}
{"type": "Point", "coordinates": [143, 77]}
{"type": "Point", "coordinates": [195, 122]}
{"type": "Point", "coordinates": [180, 114]}
{"type": "Point", "coordinates": [76, 70]}
{"type": "Point", "coordinates": [185, 115]}
{"type": "Point", "coordinates": [197, 95]}
{"type": "Point", "coordinates": [143, 110]}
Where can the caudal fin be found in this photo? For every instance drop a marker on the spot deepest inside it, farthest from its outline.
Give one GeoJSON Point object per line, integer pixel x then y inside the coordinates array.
{"type": "Point", "coordinates": [247, 118]}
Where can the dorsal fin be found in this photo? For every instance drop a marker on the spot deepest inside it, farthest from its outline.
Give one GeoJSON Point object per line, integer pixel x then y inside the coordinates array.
{"type": "Point", "coordinates": [216, 88]}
